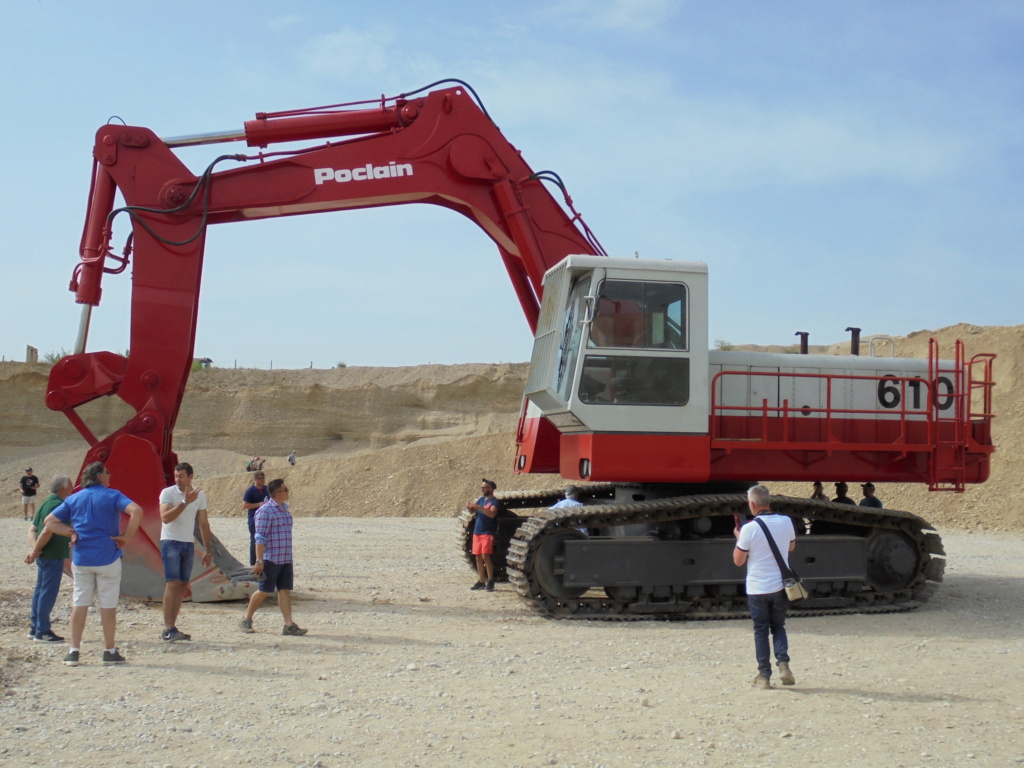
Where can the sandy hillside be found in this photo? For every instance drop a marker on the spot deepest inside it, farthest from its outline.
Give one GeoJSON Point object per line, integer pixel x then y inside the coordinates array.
{"type": "Point", "coordinates": [413, 441]}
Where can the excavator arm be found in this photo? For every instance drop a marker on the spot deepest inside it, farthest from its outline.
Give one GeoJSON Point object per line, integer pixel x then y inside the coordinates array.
{"type": "Point", "coordinates": [440, 149]}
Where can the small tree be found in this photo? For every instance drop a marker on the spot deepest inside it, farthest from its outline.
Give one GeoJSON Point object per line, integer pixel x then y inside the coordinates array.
{"type": "Point", "coordinates": [55, 357]}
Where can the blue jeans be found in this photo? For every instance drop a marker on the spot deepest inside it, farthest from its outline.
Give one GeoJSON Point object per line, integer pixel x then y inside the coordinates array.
{"type": "Point", "coordinates": [252, 537]}
{"type": "Point", "coordinates": [769, 614]}
{"type": "Point", "coordinates": [48, 576]}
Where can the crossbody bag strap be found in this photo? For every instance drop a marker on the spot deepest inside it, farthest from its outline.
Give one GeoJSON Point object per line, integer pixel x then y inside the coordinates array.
{"type": "Point", "coordinates": [787, 573]}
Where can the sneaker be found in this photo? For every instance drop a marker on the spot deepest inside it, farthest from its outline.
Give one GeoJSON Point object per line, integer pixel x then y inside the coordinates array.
{"type": "Point", "coordinates": [294, 630]}
{"type": "Point", "coordinates": [174, 635]}
{"type": "Point", "coordinates": [762, 682]}
{"type": "Point", "coordinates": [112, 657]}
{"type": "Point", "coordinates": [246, 626]}
{"type": "Point", "coordinates": [490, 586]}
{"type": "Point", "coordinates": [785, 675]}
{"type": "Point", "coordinates": [32, 635]}
{"type": "Point", "coordinates": [478, 585]}
{"type": "Point", "coordinates": [48, 637]}
{"type": "Point", "coordinates": [71, 659]}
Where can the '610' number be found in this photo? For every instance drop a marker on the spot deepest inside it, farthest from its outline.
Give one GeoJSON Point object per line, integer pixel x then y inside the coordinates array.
{"type": "Point", "coordinates": [890, 394]}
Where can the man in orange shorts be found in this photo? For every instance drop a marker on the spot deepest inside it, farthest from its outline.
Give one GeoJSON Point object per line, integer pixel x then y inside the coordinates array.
{"type": "Point", "coordinates": [487, 508]}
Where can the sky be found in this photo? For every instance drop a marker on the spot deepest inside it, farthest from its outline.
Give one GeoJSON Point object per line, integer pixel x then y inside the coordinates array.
{"type": "Point", "coordinates": [834, 164]}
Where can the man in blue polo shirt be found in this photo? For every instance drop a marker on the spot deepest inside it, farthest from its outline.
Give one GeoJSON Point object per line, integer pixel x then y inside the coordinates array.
{"type": "Point", "coordinates": [93, 517]}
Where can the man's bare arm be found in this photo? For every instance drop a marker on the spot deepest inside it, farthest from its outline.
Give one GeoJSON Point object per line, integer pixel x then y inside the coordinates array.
{"type": "Point", "coordinates": [53, 525]}
{"type": "Point", "coordinates": [134, 512]}
{"type": "Point", "coordinates": [739, 557]}
{"type": "Point", "coordinates": [207, 533]}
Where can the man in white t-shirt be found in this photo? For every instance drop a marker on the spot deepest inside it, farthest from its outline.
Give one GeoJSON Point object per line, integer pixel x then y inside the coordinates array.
{"type": "Point", "coordinates": [766, 596]}
{"type": "Point", "coordinates": [181, 506]}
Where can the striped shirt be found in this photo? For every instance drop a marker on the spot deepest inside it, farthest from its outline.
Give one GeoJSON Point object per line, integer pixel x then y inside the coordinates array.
{"type": "Point", "coordinates": [274, 532]}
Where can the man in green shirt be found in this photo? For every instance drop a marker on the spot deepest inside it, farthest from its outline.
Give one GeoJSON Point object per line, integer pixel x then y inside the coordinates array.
{"type": "Point", "coordinates": [49, 551]}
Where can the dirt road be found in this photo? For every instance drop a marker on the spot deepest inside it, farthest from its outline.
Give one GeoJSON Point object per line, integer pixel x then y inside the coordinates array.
{"type": "Point", "coordinates": [404, 665]}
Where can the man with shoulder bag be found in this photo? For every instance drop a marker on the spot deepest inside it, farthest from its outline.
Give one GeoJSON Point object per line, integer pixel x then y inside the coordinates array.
{"type": "Point", "coordinates": [766, 593]}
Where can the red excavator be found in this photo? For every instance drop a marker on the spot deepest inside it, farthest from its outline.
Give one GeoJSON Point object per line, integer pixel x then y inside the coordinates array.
{"type": "Point", "coordinates": [663, 435]}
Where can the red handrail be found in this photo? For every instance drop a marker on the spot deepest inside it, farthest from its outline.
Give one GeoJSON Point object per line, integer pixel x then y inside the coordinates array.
{"type": "Point", "coordinates": [947, 447]}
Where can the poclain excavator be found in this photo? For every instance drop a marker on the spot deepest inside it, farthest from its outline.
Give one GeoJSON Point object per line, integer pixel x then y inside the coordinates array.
{"type": "Point", "coordinates": [623, 394]}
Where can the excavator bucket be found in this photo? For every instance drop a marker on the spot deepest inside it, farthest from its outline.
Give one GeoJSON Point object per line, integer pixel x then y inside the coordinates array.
{"type": "Point", "coordinates": [135, 470]}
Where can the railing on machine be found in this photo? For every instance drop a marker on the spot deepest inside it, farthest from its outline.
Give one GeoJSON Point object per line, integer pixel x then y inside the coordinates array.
{"type": "Point", "coordinates": [943, 418]}
{"type": "Point", "coordinates": [790, 415]}
{"type": "Point", "coordinates": [947, 463]}
{"type": "Point", "coordinates": [973, 410]}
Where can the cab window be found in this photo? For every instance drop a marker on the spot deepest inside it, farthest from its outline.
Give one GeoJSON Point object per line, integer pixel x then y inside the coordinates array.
{"type": "Point", "coordinates": [572, 330]}
{"type": "Point", "coordinates": [608, 379]}
{"type": "Point", "coordinates": [635, 315]}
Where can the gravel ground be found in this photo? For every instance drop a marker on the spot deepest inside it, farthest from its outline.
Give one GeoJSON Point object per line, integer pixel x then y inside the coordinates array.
{"type": "Point", "coordinates": [403, 665]}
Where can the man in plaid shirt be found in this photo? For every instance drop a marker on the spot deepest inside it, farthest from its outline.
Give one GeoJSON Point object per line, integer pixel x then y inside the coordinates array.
{"type": "Point", "coordinates": [274, 558]}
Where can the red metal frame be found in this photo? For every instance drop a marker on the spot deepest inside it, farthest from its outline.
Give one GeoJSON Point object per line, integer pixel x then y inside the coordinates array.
{"type": "Point", "coordinates": [956, 447]}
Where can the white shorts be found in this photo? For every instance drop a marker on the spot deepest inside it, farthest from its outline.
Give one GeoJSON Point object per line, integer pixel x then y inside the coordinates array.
{"type": "Point", "coordinates": [26, 500]}
{"type": "Point", "coordinates": [90, 580]}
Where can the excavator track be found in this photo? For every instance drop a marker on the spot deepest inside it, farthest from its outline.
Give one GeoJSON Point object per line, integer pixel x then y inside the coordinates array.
{"type": "Point", "coordinates": [897, 541]}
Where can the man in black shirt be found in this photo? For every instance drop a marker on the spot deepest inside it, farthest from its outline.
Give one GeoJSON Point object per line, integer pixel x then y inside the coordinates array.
{"type": "Point", "coordinates": [841, 498]}
{"type": "Point", "coordinates": [29, 483]}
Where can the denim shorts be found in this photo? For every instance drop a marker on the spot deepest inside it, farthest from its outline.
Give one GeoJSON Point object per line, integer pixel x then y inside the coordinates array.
{"type": "Point", "coordinates": [178, 557]}
{"type": "Point", "coordinates": [275, 577]}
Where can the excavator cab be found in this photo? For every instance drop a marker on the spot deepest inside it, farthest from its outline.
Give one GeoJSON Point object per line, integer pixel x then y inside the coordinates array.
{"type": "Point", "coordinates": [621, 346]}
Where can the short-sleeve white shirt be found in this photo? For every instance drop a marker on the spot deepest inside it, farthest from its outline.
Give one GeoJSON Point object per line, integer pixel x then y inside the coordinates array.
{"type": "Point", "coordinates": [763, 574]}
{"type": "Point", "coordinates": [183, 527]}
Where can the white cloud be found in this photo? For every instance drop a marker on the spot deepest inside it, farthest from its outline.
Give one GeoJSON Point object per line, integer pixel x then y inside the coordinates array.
{"type": "Point", "coordinates": [635, 15]}
{"type": "Point", "coordinates": [728, 145]}
{"type": "Point", "coordinates": [629, 15]}
{"type": "Point", "coordinates": [641, 128]}
{"type": "Point", "coordinates": [283, 22]}
{"type": "Point", "coordinates": [349, 51]}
